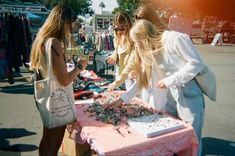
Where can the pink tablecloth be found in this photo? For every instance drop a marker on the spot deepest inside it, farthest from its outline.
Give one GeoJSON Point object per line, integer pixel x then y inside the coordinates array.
{"type": "Point", "coordinates": [107, 141]}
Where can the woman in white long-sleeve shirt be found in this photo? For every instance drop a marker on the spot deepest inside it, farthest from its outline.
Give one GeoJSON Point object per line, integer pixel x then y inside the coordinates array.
{"type": "Point", "coordinates": [167, 63]}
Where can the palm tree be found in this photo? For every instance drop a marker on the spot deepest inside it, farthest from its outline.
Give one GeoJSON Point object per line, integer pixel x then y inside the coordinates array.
{"type": "Point", "coordinates": [101, 5]}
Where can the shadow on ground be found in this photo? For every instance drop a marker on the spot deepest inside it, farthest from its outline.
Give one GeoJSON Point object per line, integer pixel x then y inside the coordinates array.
{"type": "Point", "coordinates": [9, 133]}
{"type": "Point", "coordinates": [215, 146]}
{"type": "Point", "coordinates": [25, 88]}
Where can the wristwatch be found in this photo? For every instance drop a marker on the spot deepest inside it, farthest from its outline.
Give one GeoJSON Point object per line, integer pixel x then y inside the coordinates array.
{"type": "Point", "coordinates": [79, 66]}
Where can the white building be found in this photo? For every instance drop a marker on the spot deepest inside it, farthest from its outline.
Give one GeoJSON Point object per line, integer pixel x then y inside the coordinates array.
{"type": "Point", "coordinates": [101, 22]}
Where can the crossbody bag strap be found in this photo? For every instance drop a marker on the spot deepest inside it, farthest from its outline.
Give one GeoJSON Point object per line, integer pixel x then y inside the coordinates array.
{"type": "Point", "coordinates": [47, 45]}
{"type": "Point", "coordinates": [48, 57]}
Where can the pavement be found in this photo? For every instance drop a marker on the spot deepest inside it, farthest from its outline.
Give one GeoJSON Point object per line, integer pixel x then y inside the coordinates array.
{"type": "Point", "coordinates": [21, 127]}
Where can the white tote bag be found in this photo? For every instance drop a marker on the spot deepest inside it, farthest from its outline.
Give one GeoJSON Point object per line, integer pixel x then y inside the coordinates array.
{"type": "Point", "coordinates": [54, 101]}
{"type": "Point", "coordinates": [207, 82]}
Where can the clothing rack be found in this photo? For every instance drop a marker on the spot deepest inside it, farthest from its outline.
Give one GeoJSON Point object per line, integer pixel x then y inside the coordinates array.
{"type": "Point", "coordinates": [18, 50]}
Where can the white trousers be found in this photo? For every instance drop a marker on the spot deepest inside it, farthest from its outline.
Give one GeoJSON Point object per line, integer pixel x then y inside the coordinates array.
{"type": "Point", "coordinates": [187, 103]}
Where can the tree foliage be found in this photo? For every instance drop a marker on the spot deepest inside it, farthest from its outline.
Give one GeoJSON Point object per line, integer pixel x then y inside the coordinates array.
{"type": "Point", "coordinates": [101, 5]}
{"type": "Point", "coordinates": [129, 6]}
{"type": "Point", "coordinates": [81, 7]}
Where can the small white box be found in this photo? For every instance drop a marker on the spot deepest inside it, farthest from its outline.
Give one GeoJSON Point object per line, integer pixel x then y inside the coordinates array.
{"type": "Point", "coordinates": [153, 125]}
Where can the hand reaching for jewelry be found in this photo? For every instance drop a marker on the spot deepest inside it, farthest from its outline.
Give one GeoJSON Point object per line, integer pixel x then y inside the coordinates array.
{"type": "Point", "coordinates": [111, 86]}
{"type": "Point", "coordinates": [117, 103]}
{"type": "Point", "coordinates": [110, 60]}
{"type": "Point", "coordinates": [132, 75]}
{"type": "Point", "coordinates": [161, 84]}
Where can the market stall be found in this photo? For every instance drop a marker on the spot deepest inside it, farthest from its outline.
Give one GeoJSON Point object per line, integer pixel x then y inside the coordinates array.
{"type": "Point", "coordinates": [123, 139]}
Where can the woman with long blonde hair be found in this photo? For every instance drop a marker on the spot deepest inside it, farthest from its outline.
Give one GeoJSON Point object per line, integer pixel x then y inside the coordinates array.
{"type": "Point", "coordinates": [57, 27]}
{"type": "Point", "coordinates": [123, 55]}
{"type": "Point", "coordinates": [167, 63]}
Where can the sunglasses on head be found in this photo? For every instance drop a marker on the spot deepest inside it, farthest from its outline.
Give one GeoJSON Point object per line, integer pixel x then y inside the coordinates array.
{"type": "Point", "coordinates": [119, 28]}
{"type": "Point", "coordinates": [137, 17]}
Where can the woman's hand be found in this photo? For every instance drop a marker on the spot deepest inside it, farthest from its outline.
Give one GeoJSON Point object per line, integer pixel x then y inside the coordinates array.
{"type": "Point", "coordinates": [115, 104]}
{"type": "Point", "coordinates": [161, 84]}
{"type": "Point", "coordinates": [110, 60]}
{"type": "Point", "coordinates": [132, 75]}
{"type": "Point", "coordinates": [83, 62]}
{"type": "Point", "coordinates": [112, 86]}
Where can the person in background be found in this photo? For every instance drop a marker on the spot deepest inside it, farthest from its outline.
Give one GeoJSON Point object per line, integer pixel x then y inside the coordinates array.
{"type": "Point", "coordinates": [82, 37]}
{"type": "Point", "coordinates": [149, 13]}
{"type": "Point", "coordinates": [57, 26]}
{"type": "Point", "coordinates": [167, 63]}
{"type": "Point", "coordinates": [123, 55]}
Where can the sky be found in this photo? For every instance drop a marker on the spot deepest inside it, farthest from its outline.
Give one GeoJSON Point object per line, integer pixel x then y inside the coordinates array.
{"type": "Point", "coordinates": [109, 5]}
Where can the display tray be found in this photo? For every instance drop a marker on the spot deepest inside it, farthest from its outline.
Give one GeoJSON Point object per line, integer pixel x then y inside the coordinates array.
{"type": "Point", "coordinates": [154, 125]}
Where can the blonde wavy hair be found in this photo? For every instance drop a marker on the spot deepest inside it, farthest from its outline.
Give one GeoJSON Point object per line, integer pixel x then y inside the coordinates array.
{"type": "Point", "coordinates": [123, 18]}
{"type": "Point", "coordinates": [53, 27]}
{"type": "Point", "coordinates": [147, 38]}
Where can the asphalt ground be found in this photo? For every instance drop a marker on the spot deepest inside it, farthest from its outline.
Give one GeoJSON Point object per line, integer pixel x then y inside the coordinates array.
{"type": "Point", "coordinates": [21, 127]}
